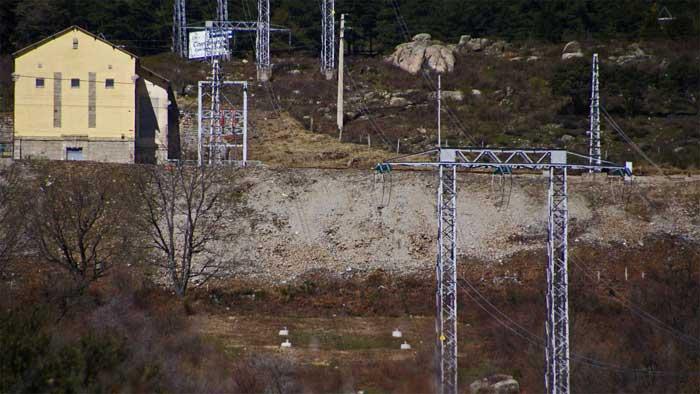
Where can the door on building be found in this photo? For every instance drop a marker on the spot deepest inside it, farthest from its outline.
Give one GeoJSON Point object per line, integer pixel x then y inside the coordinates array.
{"type": "Point", "coordinates": [74, 154]}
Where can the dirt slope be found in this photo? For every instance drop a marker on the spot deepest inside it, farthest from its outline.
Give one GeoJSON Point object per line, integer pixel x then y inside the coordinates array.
{"type": "Point", "coordinates": [345, 221]}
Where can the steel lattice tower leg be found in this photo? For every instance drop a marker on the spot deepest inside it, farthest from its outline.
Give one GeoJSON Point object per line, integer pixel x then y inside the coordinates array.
{"type": "Point", "coordinates": [557, 326]}
{"type": "Point", "coordinates": [262, 41]}
{"type": "Point", "coordinates": [328, 38]}
{"type": "Point", "coordinates": [222, 10]}
{"type": "Point", "coordinates": [179, 28]}
{"type": "Point", "coordinates": [216, 153]}
{"type": "Point", "coordinates": [594, 132]}
{"type": "Point", "coordinates": [446, 272]}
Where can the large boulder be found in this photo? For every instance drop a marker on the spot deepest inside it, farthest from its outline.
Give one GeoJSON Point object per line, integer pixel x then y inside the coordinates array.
{"type": "Point", "coordinates": [572, 50]}
{"type": "Point", "coordinates": [422, 52]}
{"type": "Point", "coordinates": [440, 58]}
{"type": "Point", "coordinates": [496, 384]}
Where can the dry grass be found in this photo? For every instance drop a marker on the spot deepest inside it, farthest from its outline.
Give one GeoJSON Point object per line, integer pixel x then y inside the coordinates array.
{"type": "Point", "coordinates": [284, 142]}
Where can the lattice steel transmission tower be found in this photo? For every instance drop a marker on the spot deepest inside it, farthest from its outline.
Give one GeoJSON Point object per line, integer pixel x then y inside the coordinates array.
{"type": "Point", "coordinates": [594, 132]}
{"type": "Point", "coordinates": [179, 28]}
{"type": "Point", "coordinates": [557, 324]}
{"type": "Point", "coordinates": [446, 274]}
{"type": "Point", "coordinates": [557, 163]}
{"type": "Point", "coordinates": [222, 10]}
{"type": "Point", "coordinates": [262, 41]}
{"type": "Point", "coordinates": [328, 38]}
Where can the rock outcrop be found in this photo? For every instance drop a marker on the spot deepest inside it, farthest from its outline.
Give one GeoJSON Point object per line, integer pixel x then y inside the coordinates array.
{"type": "Point", "coordinates": [454, 95]}
{"type": "Point", "coordinates": [634, 55]}
{"type": "Point", "coordinates": [467, 43]}
{"type": "Point", "coordinates": [572, 50]}
{"type": "Point", "coordinates": [496, 384]}
{"type": "Point", "coordinates": [423, 52]}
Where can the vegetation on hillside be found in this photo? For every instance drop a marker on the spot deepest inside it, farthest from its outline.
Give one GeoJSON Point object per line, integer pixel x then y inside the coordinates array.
{"type": "Point", "coordinates": [127, 330]}
{"type": "Point", "coordinates": [144, 26]}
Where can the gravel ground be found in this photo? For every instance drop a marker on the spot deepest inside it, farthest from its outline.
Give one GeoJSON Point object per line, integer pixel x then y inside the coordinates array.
{"type": "Point", "coordinates": [346, 221]}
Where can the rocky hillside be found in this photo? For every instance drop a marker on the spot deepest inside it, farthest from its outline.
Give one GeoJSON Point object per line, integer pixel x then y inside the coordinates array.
{"type": "Point", "coordinates": [496, 93]}
{"type": "Point", "coordinates": [345, 222]}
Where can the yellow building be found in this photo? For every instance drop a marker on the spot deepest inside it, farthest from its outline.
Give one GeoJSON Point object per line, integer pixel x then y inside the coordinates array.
{"type": "Point", "coordinates": [79, 97]}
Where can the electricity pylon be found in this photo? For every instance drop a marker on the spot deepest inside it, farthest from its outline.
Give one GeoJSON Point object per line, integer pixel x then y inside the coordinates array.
{"type": "Point", "coordinates": [262, 41]}
{"type": "Point", "coordinates": [594, 132]}
{"type": "Point", "coordinates": [220, 130]}
{"type": "Point", "coordinates": [328, 38]}
{"type": "Point", "coordinates": [179, 28]}
{"type": "Point", "coordinates": [221, 10]}
{"type": "Point", "coordinates": [558, 164]}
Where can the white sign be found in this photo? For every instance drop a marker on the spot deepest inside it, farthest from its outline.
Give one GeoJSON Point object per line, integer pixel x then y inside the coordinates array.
{"type": "Point", "coordinates": [198, 45]}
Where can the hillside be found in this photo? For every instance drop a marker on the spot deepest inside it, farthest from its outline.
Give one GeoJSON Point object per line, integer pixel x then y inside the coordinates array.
{"type": "Point", "coordinates": [342, 260]}
{"type": "Point", "coordinates": [306, 271]}
{"type": "Point", "coordinates": [493, 99]}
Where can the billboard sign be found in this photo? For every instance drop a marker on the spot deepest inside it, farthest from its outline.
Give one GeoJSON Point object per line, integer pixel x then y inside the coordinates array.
{"type": "Point", "coordinates": [198, 44]}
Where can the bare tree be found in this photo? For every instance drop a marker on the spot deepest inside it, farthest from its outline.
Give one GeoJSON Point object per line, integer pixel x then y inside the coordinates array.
{"type": "Point", "coordinates": [184, 218]}
{"type": "Point", "coordinates": [78, 219]}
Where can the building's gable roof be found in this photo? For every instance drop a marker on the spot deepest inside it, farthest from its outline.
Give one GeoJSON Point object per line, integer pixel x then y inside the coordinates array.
{"type": "Point", "coordinates": [66, 31]}
{"type": "Point", "coordinates": [153, 77]}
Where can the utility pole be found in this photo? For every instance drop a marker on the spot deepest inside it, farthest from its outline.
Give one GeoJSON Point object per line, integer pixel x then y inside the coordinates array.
{"type": "Point", "coordinates": [341, 70]}
{"type": "Point", "coordinates": [594, 132]}
{"type": "Point", "coordinates": [328, 38]}
{"type": "Point", "coordinates": [557, 163]}
{"type": "Point", "coordinates": [262, 41]}
{"type": "Point", "coordinates": [179, 28]}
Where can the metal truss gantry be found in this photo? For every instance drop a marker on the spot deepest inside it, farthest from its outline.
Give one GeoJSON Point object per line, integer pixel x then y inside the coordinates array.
{"type": "Point", "coordinates": [594, 132]}
{"type": "Point", "coordinates": [262, 41]}
{"type": "Point", "coordinates": [222, 133]}
{"type": "Point", "coordinates": [179, 28]}
{"type": "Point", "coordinates": [328, 38]}
{"type": "Point", "coordinates": [557, 163]}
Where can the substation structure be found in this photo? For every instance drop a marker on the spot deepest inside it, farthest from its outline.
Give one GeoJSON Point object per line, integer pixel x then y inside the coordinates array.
{"type": "Point", "coordinates": [222, 129]}
{"type": "Point", "coordinates": [558, 164]}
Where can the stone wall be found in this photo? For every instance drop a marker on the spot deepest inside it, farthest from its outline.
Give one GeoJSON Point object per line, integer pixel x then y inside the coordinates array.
{"type": "Point", "coordinates": [7, 129]}
{"type": "Point", "coordinates": [113, 151]}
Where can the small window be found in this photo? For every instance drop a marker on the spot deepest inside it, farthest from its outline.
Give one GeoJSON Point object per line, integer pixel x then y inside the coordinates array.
{"type": "Point", "coordinates": [75, 43]}
{"type": "Point", "coordinates": [109, 83]}
{"type": "Point", "coordinates": [75, 82]}
{"type": "Point", "coordinates": [39, 82]}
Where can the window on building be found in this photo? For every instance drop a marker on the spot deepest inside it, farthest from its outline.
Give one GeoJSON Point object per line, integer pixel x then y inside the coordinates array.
{"type": "Point", "coordinates": [109, 83]}
{"type": "Point", "coordinates": [75, 43]}
{"type": "Point", "coordinates": [39, 82]}
{"type": "Point", "coordinates": [75, 82]}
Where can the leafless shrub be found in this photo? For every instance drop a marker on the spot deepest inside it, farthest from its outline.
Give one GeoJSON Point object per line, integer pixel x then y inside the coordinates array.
{"type": "Point", "coordinates": [266, 374]}
{"type": "Point", "coordinates": [78, 219]}
{"type": "Point", "coordinates": [12, 211]}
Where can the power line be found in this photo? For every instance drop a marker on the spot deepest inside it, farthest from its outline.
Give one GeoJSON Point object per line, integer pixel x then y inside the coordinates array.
{"type": "Point", "coordinates": [69, 79]}
{"type": "Point", "coordinates": [533, 339]}
{"type": "Point", "coordinates": [638, 311]}
{"type": "Point", "coordinates": [629, 141]}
